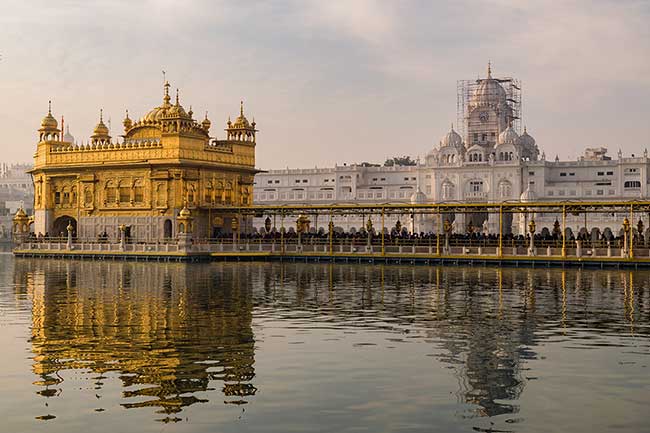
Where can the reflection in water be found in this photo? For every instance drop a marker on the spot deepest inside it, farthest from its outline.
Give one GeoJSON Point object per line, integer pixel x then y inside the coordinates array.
{"type": "Point", "coordinates": [173, 331]}
{"type": "Point", "coordinates": [168, 330]}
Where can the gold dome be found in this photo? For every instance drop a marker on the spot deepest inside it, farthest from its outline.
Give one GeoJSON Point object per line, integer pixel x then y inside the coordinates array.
{"type": "Point", "coordinates": [185, 212]}
{"type": "Point", "coordinates": [128, 123]}
{"type": "Point", "coordinates": [158, 113]}
{"type": "Point", "coordinates": [241, 122]}
{"type": "Point", "coordinates": [206, 122]}
{"type": "Point", "coordinates": [166, 110]}
{"type": "Point", "coordinates": [101, 129]}
{"type": "Point", "coordinates": [49, 122]}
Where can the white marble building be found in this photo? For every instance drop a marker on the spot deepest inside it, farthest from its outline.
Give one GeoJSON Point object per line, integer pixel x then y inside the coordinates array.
{"type": "Point", "coordinates": [490, 162]}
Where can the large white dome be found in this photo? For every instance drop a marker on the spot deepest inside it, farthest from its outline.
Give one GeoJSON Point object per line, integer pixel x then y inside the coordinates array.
{"type": "Point", "coordinates": [452, 138]}
{"type": "Point", "coordinates": [526, 139]}
{"type": "Point", "coordinates": [508, 136]}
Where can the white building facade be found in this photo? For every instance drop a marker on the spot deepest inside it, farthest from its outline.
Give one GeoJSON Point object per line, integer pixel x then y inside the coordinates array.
{"type": "Point", "coordinates": [487, 161]}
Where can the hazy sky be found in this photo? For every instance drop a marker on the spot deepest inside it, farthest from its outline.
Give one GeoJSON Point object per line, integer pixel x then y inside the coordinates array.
{"type": "Point", "coordinates": [328, 81]}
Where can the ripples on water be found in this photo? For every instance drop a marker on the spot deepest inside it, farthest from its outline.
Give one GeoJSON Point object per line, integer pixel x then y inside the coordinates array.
{"type": "Point", "coordinates": [320, 347]}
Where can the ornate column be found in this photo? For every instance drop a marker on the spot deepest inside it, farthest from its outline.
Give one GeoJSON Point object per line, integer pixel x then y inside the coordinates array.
{"type": "Point", "coordinates": [447, 227]}
{"type": "Point", "coordinates": [531, 230]}
{"type": "Point", "coordinates": [369, 230]}
{"type": "Point", "coordinates": [185, 228]}
{"type": "Point", "coordinates": [122, 229]}
{"type": "Point", "coordinates": [69, 228]}
{"type": "Point", "coordinates": [625, 252]}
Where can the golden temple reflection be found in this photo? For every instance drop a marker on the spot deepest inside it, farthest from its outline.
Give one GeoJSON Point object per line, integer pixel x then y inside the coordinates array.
{"type": "Point", "coordinates": [152, 328]}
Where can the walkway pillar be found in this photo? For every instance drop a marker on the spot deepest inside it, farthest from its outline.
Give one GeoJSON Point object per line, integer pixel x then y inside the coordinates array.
{"type": "Point", "coordinates": [531, 230]}
{"type": "Point", "coordinates": [122, 229]}
{"type": "Point", "coordinates": [69, 228]}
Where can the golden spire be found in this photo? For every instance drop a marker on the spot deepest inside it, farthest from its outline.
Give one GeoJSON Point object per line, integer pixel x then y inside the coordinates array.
{"type": "Point", "coordinates": [241, 108]}
{"type": "Point", "coordinates": [127, 122]}
{"type": "Point", "coordinates": [177, 97]}
{"type": "Point", "coordinates": [49, 107]}
{"type": "Point", "coordinates": [166, 97]}
{"type": "Point", "coordinates": [101, 115]}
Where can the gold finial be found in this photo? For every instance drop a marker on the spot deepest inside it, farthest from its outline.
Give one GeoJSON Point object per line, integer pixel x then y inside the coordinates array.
{"type": "Point", "coordinates": [241, 107]}
{"type": "Point", "coordinates": [166, 92]}
{"type": "Point", "coordinates": [49, 107]}
{"type": "Point", "coordinates": [177, 96]}
{"type": "Point", "coordinates": [101, 115]}
{"type": "Point", "coordinates": [489, 69]}
{"type": "Point", "coordinates": [127, 113]}
{"type": "Point", "coordinates": [206, 114]}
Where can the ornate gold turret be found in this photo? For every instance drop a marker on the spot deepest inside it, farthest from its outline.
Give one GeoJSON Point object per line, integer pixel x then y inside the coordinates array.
{"type": "Point", "coordinates": [127, 122]}
{"type": "Point", "coordinates": [241, 129]}
{"type": "Point", "coordinates": [206, 123]}
{"type": "Point", "coordinates": [49, 130]}
{"type": "Point", "coordinates": [100, 134]}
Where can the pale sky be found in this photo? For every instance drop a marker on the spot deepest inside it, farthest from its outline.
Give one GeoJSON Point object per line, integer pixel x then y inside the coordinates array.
{"type": "Point", "coordinates": [328, 81]}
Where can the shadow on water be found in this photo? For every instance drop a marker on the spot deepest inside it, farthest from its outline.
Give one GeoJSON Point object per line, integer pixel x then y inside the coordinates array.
{"type": "Point", "coordinates": [170, 332]}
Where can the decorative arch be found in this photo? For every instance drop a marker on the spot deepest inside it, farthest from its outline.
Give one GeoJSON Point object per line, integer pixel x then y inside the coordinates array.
{"type": "Point", "coordinates": [448, 190]}
{"type": "Point", "coordinates": [505, 189]}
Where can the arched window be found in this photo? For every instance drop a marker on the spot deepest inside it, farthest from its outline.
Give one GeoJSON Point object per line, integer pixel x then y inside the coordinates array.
{"type": "Point", "coordinates": [138, 191]}
{"type": "Point", "coordinates": [111, 192]}
{"type": "Point", "coordinates": [505, 189]}
{"type": "Point", "coordinates": [635, 184]}
{"type": "Point", "coordinates": [448, 190]}
{"type": "Point", "coordinates": [190, 194]}
{"type": "Point", "coordinates": [476, 186]}
{"type": "Point", "coordinates": [208, 192]}
{"type": "Point", "coordinates": [125, 192]}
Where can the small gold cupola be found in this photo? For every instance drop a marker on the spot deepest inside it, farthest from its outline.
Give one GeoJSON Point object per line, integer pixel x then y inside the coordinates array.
{"type": "Point", "coordinates": [206, 123]}
{"type": "Point", "coordinates": [100, 134]}
{"type": "Point", "coordinates": [49, 130]}
{"type": "Point", "coordinates": [128, 123]}
{"type": "Point", "coordinates": [241, 129]}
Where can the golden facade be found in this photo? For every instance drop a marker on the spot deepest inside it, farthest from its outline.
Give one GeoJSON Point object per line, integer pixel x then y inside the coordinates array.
{"type": "Point", "coordinates": [164, 162]}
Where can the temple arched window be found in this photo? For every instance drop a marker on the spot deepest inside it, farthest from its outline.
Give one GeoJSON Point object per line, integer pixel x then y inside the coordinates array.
{"type": "Point", "coordinates": [190, 194]}
{"type": "Point", "coordinates": [138, 191]}
{"type": "Point", "coordinates": [476, 186]}
{"type": "Point", "coordinates": [505, 189]}
{"type": "Point", "coordinates": [448, 191]}
{"type": "Point", "coordinates": [111, 192]}
{"type": "Point", "coordinates": [227, 194]}
{"type": "Point", "coordinates": [125, 192]}
{"type": "Point", "coordinates": [208, 192]}
{"type": "Point", "coordinates": [66, 197]}
{"type": "Point", "coordinates": [88, 196]}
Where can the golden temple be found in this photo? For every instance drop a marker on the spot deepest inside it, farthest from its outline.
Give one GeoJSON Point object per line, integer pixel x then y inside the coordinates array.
{"type": "Point", "coordinates": [164, 163]}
